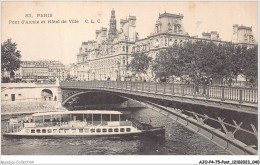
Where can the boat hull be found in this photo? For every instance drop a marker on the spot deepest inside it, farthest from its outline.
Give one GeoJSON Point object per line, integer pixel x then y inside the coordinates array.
{"type": "Point", "coordinates": [159, 132]}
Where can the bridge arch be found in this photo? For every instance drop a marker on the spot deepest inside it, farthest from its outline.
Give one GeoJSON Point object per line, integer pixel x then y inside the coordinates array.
{"type": "Point", "coordinates": [107, 92]}
{"type": "Point", "coordinates": [47, 94]}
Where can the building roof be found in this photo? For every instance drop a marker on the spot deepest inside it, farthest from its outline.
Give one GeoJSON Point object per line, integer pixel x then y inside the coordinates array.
{"type": "Point", "coordinates": [79, 112]}
{"type": "Point", "coordinates": [245, 27]}
{"type": "Point", "coordinates": [170, 15]}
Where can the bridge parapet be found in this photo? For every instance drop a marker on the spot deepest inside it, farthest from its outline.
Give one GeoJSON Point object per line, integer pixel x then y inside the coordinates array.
{"type": "Point", "coordinates": [28, 85]}
{"type": "Point", "coordinates": [237, 95]}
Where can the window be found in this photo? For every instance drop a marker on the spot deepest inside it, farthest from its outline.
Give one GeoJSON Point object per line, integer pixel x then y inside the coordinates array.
{"type": "Point", "coordinates": [19, 94]}
{"type": "Point", "coordinates": [66, 130]}
{"type": "Point", "coordinates": [128, 129]}
{"type": "Point", "coordinates": [6, 94]}
{"type": "Point", "coordinates": [49, 131]}
{"type": "Point", "coordinates": [92, 130]}
{"type": "Point", "coordinates": [98, 130]}
{"type": "Point", "coordinates": [110, 130]}
{"type": "Point", "coordinates": [73, 130]}
{"type": "Point", "coordinates": [38, 131]}
{"type": "Point", "coordinates": [116, 130]}
{"type": "Point", "coordinates": [43, 130]}
{"type": "Point", "coordinates": [80, 130]}
{"type": "Point", "coordinates": [27, 131]}
{"type": "Point", "coordinates": [86, 130]}
{"type": "Point", "coordinates": [104, 130]}
{"type": "Point", "coordinates": [55, 130]}
{"type": "Point", "coordinates": [122, 130]}
{"type": "Point", "coordinates": [61, 131]}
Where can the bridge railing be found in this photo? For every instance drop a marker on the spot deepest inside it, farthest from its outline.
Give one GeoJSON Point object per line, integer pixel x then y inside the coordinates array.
{"type": "Point", "coordinates": [239, 94]}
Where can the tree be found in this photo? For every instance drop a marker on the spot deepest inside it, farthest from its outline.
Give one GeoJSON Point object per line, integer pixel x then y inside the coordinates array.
{"type": "Point", "coordinates": [190, 59]}
{"type": "Point", "coordinates": [10, 56]}
{"type": "Point", "coordinates": [199, 59]}
{"type": "Point", "coordinates": [166, 62]}
{"type": "Point", "coordinates": [139, 63]}
{"type": "Point", "coordinates": [217, 60]}
{"type": "Point", "coordinates": [68, 78]}
{"type": "Point", "coordinates": [250, 64]}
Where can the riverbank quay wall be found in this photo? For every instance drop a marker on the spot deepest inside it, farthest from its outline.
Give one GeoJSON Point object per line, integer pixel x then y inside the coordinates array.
{"type": "Point", "coordinates": [12, 93]}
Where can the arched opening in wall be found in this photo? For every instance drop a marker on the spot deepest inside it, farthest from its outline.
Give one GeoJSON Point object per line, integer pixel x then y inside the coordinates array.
{"type": "Point", "coordinates": [47, 95]}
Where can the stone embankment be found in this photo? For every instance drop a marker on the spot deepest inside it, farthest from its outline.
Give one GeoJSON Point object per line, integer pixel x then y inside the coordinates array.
{"type": "Point", "coordinates": [30, 107]}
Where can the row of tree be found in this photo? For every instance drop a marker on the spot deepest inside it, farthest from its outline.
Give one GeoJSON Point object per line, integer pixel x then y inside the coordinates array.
{"type": "Point", "coordinates": [194, 59]}
{"type": "Point", "coordinates": [200, 59]}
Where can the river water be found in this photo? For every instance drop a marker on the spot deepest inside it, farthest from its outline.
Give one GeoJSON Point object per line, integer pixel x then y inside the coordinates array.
{"type": "Point", "coordinates": [178, 141]}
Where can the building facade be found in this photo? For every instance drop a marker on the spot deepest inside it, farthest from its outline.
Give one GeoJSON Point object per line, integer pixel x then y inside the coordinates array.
{"type": "Point", "coordinates": [41, 71]}
{"type": "Point", "coordinates": [108, 56]}
{"type": "Point", "coordinates": [71, 71]}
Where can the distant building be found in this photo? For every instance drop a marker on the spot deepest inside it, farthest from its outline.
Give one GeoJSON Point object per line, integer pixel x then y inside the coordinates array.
{"type": "Point", "coordinates": [213, 35]}
{"type": "Point", "coordinates": [242, 35]}
{"type": "Point", "coordinates": [41, 71]}
{"type": "Point", "coordinates": [56, 70]}
{"type": "Point", "coordinates": [71, 71]}
{"type": "Point", "coordinates": [108, 56]}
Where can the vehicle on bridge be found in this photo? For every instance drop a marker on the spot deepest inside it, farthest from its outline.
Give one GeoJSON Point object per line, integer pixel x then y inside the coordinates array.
{"type": "Point", "coordinates": [80, 124]}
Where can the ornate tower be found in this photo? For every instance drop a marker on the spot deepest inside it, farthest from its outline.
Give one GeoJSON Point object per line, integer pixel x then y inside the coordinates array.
{"type": "Point", "coordinates": [112, 29]}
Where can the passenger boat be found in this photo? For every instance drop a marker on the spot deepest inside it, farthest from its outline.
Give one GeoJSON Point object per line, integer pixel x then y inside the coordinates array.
{"type": "Point", "coordinates": [80, 123]}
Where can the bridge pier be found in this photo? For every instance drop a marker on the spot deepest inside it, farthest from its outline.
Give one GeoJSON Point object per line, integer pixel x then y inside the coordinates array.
{"type": "Point", "coordinates": [59, 99]}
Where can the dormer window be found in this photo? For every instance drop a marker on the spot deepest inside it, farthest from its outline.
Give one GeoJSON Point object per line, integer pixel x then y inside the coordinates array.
{"type": "Point", "coordinates": [177, 28]}
{"type": "Point", "coordinates": [169, 26]}
{"type": "Point", "coordinates": [157, 28]}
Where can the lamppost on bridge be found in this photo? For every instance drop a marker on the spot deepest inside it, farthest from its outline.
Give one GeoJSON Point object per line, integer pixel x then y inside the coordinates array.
{"type": "Point", "coordinates": [89, 71]}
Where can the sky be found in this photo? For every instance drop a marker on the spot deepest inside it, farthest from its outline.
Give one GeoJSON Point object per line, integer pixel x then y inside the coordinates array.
{"type": "Point", "coordinates": [61, 41]}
